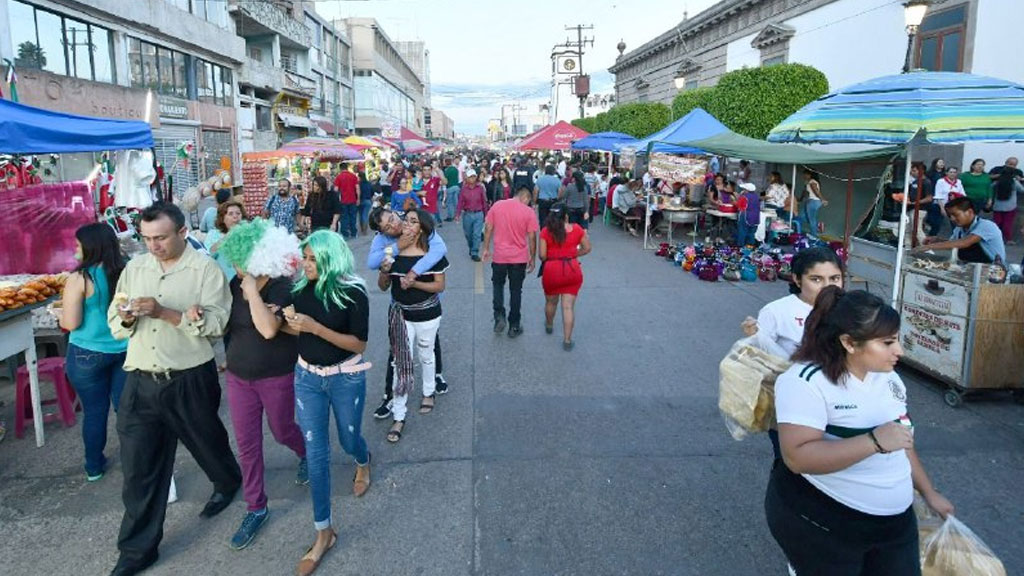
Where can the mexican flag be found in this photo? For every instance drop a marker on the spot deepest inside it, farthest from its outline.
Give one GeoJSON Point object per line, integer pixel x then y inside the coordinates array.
{"type": "Point", "coordinates": [12, 81]}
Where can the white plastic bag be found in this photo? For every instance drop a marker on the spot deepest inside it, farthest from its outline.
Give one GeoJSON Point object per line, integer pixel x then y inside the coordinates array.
{"type": "Point", "coordinates": [953, 550]}
{"type": "Point", "coordinates": [746, 388]}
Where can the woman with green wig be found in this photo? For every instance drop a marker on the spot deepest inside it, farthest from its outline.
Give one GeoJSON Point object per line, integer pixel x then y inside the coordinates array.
{"type": "Point", "coordinates": [330, 314]}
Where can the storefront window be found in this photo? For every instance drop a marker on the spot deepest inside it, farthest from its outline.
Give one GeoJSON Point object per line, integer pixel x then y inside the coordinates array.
{"type": "Point", "coordinates": [150, 67]}
{"type": "Point", "coordinates": [204, 81]}
{"type": "Point", "coordinates": [102, 54]}
{"type": "Point", "coordinates": [50, 31]}
{"type": "Point", "coordinates": [23, 36]}
{"type": "Point", "coordinates": [76, 37]}
{"type": "Point", "coordinates": [180, 76]}
{"type": "Point", "coordinates": [138, 77]}
{"type": "Point", "coordinates": [227, 90]}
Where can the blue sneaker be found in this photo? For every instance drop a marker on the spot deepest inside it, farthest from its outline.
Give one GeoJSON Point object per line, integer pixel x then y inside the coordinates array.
{"type": "Point", "coordinates": [251, 525]}
{"type": "Point", "coordinates": [302, 475]}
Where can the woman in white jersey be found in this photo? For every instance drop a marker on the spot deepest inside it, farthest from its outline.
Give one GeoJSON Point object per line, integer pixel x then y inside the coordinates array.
{"type": "Point", "coordinates": [841, 503]}
{"type": "Point", "coordinates": [780, 324]}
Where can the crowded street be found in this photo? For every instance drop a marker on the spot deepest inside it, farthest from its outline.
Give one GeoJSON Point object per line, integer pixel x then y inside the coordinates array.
{"type": "Point", "coordinates": [586, 288]}
{"type": "Point", "coordinates": [611, 459]}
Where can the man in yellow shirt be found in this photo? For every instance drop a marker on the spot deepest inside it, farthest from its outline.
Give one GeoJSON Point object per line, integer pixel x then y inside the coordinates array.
{"type": "Point", "coordinates": [168, 304]}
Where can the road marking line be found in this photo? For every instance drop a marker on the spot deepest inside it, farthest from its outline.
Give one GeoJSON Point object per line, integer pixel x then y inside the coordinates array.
{"type": "Point", "coordinates": [478, 280]}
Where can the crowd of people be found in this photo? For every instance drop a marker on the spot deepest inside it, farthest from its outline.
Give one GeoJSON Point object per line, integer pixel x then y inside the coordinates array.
{"type": "Point", "coordinates": [294, 317]}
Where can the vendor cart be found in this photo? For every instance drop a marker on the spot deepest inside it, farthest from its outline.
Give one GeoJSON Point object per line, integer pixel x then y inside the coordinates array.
{"type": "Point", "coordinates": [962, 329]}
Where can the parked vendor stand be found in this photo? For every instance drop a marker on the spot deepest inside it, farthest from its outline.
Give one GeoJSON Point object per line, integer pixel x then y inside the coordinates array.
{"type": "Point", "coordinates": [936, 108]}
{"type": "Point", "coordinates": [25, 130]}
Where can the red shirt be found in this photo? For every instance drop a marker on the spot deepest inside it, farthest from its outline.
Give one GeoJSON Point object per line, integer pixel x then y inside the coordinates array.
{"type": "Point", "coordinates": [431, 188]}
{"type": "Point", "coordinates": [513, 223]}
{"type": "Point", "coordinates": [348, 184]}
{"type": "Point", "coordinates": [472, 199]}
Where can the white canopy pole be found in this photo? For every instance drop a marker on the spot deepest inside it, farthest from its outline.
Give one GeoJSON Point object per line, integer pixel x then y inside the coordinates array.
{"type": "Point", "coordinates": [647, 218]}
{"type": "Point", "coordinates": [902, 233]}
{"type": "Point", "coordinates": [792, 198]}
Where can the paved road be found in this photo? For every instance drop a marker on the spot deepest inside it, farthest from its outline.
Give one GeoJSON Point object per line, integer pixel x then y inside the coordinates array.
{"type": "Point", "coordinates": [611, 459]}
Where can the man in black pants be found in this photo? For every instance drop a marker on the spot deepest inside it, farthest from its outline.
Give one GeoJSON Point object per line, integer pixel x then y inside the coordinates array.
{"type": "Point", "coordinates": [168, 304]}
{"type": "Point", "coordinates": [512, 224]}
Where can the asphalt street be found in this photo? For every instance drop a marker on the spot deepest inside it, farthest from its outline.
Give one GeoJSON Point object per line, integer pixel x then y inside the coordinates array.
{"type": "Point", "coordinates": [611, 459]}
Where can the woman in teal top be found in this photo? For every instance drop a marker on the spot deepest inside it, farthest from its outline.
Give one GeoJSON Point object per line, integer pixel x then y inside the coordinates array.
{"type": "Point", "coordinates": [229, 214]}
{"type": "Point", "coordinates": [95, 360]}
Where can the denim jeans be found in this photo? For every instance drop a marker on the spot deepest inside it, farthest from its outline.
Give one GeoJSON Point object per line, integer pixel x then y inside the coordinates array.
{"type": "Point", "coordinates": [349, 215]}
{"type": "Point", "coordinates": [452, 200]}
{"type": "Point", "coordinates": [811, 207]}
{"type": "Point", "coordinates": [473, 227]}
{"type": "Point", "coordinates": [364, 213]}
{"type": "Point", "coordinates": [783, 215]}
{"type": "Point", "coordinates": [98, 379]}
{"type": "Point", "coordinates": [315, 398]}
{"type": "Point", "coordinates": [745, 231]}
{"type": "Point", "coordinates": [515, 273]}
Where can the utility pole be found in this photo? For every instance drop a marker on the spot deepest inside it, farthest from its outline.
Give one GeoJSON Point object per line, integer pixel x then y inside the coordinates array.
{"type": "Point", "coordinates": [579, 45]}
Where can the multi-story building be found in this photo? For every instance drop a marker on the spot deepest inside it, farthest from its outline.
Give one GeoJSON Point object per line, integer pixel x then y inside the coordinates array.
{"type": "Point", "coordinates": [848, 40]}
{"type": "Point", "coordinates": [598, 103]}
{"type": "Point", "coordinates": [440, 126]}
{"type": "Point", "coordinates": [389, 93]}
{"type": "Point", "coordinates": [416, 54]}
{"type": "Point", "coordinates": [109, 57]}
{"type": "Point", "coordinates": [330, 58]}
{"type": "Point", "coordinates": [276, 85]}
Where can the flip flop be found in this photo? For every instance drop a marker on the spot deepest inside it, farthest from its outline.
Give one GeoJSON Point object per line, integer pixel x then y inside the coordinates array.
{"type": "Point", "coordinates": [427, 408]}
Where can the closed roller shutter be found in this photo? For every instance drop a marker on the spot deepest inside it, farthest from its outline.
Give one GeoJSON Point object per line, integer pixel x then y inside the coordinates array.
{"type": "Point", "coordinates": [166, 141]}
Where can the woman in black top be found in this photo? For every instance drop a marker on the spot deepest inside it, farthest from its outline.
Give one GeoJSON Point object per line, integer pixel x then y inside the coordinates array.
{"type": "Point", "coordinates": [323, 206]}
{"type": "Point", "coordinates": [331, 317]}
{"type": "Point", "coordinates": [261, 358]}
{"type": "Point", "coordinates": [413, 319]}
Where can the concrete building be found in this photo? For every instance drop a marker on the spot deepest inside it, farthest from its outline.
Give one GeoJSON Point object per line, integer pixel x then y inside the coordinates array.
{"type": "Point", "coordinates": [276, 82]}
{"type": "Point", "coordinates": [598, 103]}
{"type": "Point", "coordinates": [416, 54]}
{"type": "Point", "coordinates": [440, 126]}
{"type": "Point", "coordinates": [848, 40]}
{"type": "Point", "coordinates": [103, 57]}
{"type": "Point", "coordinates": [389, 93]}
{"type": "Point", "coordinates": [332, 107]}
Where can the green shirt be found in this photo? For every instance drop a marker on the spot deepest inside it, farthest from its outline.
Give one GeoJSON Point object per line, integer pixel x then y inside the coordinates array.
{"type": "Point", "coordinates": [451, 174]}
{"type": "Point", "coordinates": [155, 345]}
{"type": "Point", "coordinates": [977, 187]}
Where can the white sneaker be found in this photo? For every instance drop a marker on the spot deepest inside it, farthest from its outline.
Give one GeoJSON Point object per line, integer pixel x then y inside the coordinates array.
{"type": "Point", "coordinates": [172, 494]}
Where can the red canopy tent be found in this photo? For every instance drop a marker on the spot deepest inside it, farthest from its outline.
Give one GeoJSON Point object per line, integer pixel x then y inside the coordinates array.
{"type": "Point", "coordinates": [558, 136]}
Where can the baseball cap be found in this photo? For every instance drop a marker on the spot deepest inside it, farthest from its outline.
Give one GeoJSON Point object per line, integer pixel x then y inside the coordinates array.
{"type": "Point", "coordinates": [470, 173]}
{"type": "Point", "coordinates": [748, 187]}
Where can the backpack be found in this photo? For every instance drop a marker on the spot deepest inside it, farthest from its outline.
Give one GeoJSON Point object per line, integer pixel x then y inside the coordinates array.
{"type": "Point", "coordinates": [1004, 189]}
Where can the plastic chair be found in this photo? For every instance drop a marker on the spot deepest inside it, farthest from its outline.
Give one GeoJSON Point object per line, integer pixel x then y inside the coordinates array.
{"type": "Point", "coordinates": [66, 400]}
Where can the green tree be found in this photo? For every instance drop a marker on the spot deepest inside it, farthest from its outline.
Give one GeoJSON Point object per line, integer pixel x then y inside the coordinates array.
{"type": "Point", "coordinates": [687, 100]}
{"type": "Point", "coordinates": [752, 101]}
{"type": "Point", "coordinates": [587, 124]}
{"type": "Point", "coordinates": [30, 55]}
{"type": "Point", "coordinates": [638, 119]}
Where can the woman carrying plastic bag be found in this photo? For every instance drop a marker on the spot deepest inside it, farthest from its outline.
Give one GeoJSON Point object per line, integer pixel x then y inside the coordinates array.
{"type": "Point", "coordinates": [840, 503]}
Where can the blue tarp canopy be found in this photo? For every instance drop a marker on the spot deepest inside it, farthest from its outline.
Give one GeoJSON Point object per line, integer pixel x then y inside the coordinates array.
{"type": "Point", "coordinates": [28, 130]}
{"type": "Point", "coordinates": [604, 141]}
{"type": "Point", "coordinates": [696, 125]}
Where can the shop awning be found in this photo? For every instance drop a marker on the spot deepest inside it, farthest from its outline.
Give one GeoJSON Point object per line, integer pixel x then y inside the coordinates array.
{"type": "Point", "coordinates": [328, 127]}
{"type": "Point", "coordinates": [734, 145]}
{"type": "Point", "coordinates": [29, 130]}
{"type": "Point", "coordinates": [695, 125]}
{"type": "Point", "coordinates": [295, 121]}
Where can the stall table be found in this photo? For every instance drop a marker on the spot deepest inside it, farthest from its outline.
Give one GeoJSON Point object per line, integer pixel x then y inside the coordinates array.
{"type": "Point", "coordinates": [16, 337]}
{"type": "Point", "coordinates": [962, 329]}
{"type": "Point", "coordinates": [762, 224]}
{"type": "Point", "coordinates": [672, 216]}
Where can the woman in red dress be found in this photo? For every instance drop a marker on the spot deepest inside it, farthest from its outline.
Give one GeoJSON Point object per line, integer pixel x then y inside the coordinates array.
{"type": "Point", "coordinates": [561, 244]}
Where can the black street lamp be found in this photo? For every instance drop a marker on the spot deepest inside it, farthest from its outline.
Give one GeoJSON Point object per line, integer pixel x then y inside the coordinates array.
{"type": "Point", "coordinates": [913, 15]}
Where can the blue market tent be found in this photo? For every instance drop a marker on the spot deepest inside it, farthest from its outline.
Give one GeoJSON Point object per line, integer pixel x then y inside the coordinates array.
{"type": "Point", "coordinates": [604, 142]}
{"type": "Point", "coordinates": [696, 125]}
{"type": "Point", "coordinates": [28, 130]}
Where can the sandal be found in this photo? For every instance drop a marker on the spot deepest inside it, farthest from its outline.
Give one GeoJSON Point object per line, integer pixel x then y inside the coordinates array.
{"type": "Point", "coordinates": [309, 562]}
{"type": "Point", "coordinates": [395, 433]}
{"type": "Point", "coordinates": [427, 405]}
{"type": "Point", "coordinates": [549, 328]}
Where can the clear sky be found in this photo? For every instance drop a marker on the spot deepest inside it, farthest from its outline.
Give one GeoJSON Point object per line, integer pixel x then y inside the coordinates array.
{"type": "Point", "coordinates": [484, 53]}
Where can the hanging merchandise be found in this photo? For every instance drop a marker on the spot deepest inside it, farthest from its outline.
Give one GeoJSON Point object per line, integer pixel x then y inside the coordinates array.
{"type": "Point", "coordinates": [184, 152]}
{"type": "Point", "coordinates": [135, 173]}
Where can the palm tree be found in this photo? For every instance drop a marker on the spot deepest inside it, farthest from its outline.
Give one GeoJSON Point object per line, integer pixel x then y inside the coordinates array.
{"type": "Point", "coordinates": [30, 56]}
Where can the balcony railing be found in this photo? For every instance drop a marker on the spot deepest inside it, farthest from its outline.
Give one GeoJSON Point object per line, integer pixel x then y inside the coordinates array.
{"type": "Point", "coordinates": [260, 75]}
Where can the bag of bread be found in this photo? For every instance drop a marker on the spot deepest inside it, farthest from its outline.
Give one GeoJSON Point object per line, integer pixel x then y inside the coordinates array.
{"type": "Point", "coordinates": [953, 550]}
{"type": "Point", "coordinates": [746, 388]}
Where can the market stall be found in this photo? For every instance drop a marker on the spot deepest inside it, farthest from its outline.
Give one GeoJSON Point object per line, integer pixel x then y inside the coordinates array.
{"type": "Point", "coordinates": [55, 209]}
{"type": "Point", "coordinates": [908, 110]}
{"type": "Point", "coordinates": [558, 136]}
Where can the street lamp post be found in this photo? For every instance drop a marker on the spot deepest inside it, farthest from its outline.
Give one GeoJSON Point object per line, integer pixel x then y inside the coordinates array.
{"type": "Point", "coordinates": [913, 15]}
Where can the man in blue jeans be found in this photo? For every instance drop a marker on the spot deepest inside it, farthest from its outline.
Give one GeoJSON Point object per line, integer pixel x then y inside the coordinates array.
{"type": "Point", "coordinates": [347, 184]}
{"type": "Point", "coordinates": [451, 196]}
{"type": "Point", "coordinates": [472, 209]}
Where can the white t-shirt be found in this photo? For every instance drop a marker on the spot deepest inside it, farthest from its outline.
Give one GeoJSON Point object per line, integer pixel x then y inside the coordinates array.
{"type": "Point", "coordinates": [780, 325]}
{"type": "Point", "coordinates": [880, 484]}
{"type": "Point", "coordinates": [943, 189]}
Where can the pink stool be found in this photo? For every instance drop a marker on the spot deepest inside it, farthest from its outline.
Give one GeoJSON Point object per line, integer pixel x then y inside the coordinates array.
{"type": "Point", "coordinates": [67, 401]}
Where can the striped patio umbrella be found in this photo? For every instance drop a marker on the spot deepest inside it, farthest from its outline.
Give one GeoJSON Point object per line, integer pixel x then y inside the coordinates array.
{"type": "Point", "coordinates": [360, 143]}
{"type": "Point", "coordinates": [938, 107]}
{"type": "Point", "coordinates": [930, 107]}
